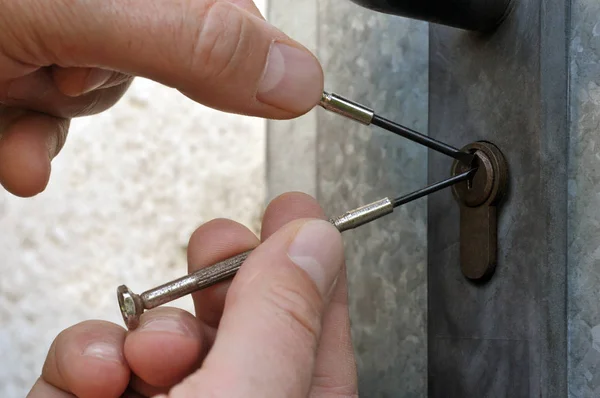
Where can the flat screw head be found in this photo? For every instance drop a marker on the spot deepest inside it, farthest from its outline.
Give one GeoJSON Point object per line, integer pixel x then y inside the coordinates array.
{"type": "Point", "coordinates": [131, 307]}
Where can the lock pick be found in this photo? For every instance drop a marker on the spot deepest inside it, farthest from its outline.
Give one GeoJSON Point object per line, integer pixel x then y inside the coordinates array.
{"type": "Point", "coordinates": [133, 305]}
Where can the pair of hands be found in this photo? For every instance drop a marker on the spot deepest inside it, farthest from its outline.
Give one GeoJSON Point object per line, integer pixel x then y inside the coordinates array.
{"type": "Point", "coordinates": [281, 328]}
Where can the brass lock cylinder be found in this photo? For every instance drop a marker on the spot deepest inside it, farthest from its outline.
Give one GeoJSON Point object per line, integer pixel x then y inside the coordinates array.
{"type": "Point", "coordinates": [479, 199]}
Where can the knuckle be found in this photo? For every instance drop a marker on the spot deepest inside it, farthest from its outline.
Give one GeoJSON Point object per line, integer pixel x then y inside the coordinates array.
{"type": "Point", "coordinates": [15, 44]}
{"type": "Point", "coordinates": [23, 40]}
{"type": "Point", "coordinates": [118, 79]}
{"type": "Point", "coordinates": [299, 312]}
{"type": "Point", "coordinates": [218, 42]}
{"type": "Point", "coordinates": [60, 138]}
{"type": "Point", "coordinates": [88, 107]}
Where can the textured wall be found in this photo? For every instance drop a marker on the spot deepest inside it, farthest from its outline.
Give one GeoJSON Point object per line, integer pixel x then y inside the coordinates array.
{"type": "Point", "coordinates": [380, 61]}
{"type": "Point", "coordinates": [506, 338]}
{"type": "Point", "coordinates": [127, 191]}
{"type": "Point", "coordinates": [584, 197]}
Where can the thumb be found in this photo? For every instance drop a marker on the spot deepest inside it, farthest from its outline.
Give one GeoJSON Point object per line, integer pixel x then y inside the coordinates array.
{"type": "Point", "coordinates": [267, 340]}
{"type": "Point", "coordinates": [217, 52]}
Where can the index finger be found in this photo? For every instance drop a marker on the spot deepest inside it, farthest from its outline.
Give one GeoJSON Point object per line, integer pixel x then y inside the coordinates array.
{"type": "Point", "coordinates": [218, 53]}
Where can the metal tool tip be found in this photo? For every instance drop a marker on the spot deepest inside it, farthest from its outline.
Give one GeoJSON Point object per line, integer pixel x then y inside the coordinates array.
{"type": "Point", "coordinates": [350, 109]}
{"type": "Point", "coordinates": [325, 98]}
{"type": "Point", "coordinates": [131, 307]}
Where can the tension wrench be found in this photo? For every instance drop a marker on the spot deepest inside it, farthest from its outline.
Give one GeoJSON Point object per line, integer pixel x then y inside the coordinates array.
{"type": "Point", "coordinates": [364, 115]}
{"type": "Point", "coordinates": [133, 305]}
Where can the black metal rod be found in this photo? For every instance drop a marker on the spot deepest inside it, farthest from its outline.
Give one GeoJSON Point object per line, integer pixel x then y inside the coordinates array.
{"type": "Point", "coordinates": [419, 138]}
{"type": "Point", "coordinates": [434, 188]}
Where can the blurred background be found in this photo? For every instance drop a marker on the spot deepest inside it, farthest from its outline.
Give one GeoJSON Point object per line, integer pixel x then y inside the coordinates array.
{"type": "Point", "coordinates": [127, 191]}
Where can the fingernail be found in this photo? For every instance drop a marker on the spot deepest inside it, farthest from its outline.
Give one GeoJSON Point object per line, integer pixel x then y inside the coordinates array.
{"type": "Point", "coordinates": [96, 78]}
{"type": "Point", "coordinates": [293, 79]}
{"type": "Point", "coordinates": [317, 249]}
{"type": "Point", "coordinates": [103, 350]}
{"type": "Point", "coordinates": [166, 324]}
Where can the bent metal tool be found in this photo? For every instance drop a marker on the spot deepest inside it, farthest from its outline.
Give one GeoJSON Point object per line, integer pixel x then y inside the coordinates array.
{"type": "Point", "coordinates": [133, 305]}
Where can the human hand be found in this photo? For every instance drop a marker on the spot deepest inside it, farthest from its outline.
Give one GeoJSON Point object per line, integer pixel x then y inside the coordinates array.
{"type": "Point", "coordinates": [279, 329]}
{"type": "Point", "coordinates": [62, 59]}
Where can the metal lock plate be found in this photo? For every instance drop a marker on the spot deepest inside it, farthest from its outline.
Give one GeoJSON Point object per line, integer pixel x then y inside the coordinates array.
{"type": "Point", "coordinates": [479, 199]}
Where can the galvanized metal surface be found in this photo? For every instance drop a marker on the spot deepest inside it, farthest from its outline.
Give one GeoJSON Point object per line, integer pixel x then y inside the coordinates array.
{"type": "Point", "coordinates": [509, 88]}
{"type": "Point", "coordinates": [379, 60]}
{"type": "Point", "coordinates": [584, 201]}
{"type": "Point", "coordinates": [507, 337]}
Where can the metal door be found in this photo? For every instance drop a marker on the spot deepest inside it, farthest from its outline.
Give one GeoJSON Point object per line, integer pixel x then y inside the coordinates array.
{"type": "Point", "coordinates": [531, 87]}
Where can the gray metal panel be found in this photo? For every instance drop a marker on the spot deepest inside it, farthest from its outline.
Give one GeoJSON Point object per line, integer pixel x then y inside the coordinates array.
{"type": "Point", "coordinates": [584, 198]}
{"type": "Point", "coordinates": [508, 378]}
{"type": "Point", "coordinates": [383, 61]}
{"type": "Point", "coordinates": [380, 61]}
{"type": "Point", "coordinates": [509, 88]}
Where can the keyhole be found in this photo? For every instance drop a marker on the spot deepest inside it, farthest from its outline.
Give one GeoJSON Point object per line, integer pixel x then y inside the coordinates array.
{"type": "Point", "coordinates": [474, 165]}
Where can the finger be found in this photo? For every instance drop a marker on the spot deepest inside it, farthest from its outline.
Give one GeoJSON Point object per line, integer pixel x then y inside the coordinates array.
{"type": "Point", "coordinates": [213, 242]}
{"type": "Point", "coordinates": [268, 336]}
{"type": "Point", "coordinates": [166, 347]}
{"type": "Point", "coordinates": [215, 52]}
{"type": "Point", "coordinates": [335, 372]}
{"type": "Point", "coordinates": [335, 368]}
{"type": "Point", "coordinates": [74, 82]}
{"type": "Point", "coordinates": [40, 91]}
{"type": "Point", "coordinates": [87, 360]}
{"type": "Point", "coordinates": [286, 208]}
{"type": "Point", "coordinates": [28, 143]}
{"type": "Point", "coordinates": [41, 389]}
